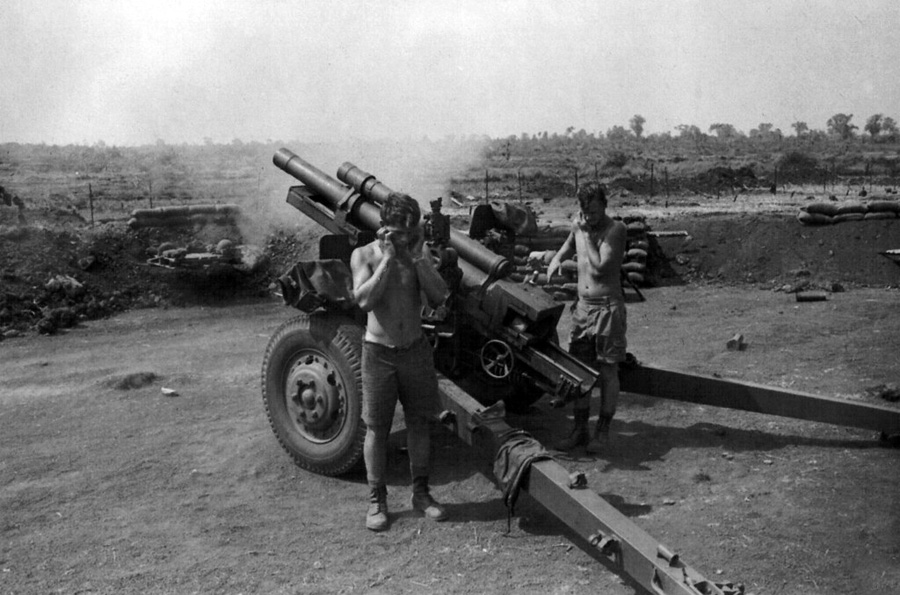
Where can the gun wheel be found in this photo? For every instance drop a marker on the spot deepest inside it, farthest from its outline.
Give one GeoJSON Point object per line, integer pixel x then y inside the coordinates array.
{"type": "Point", "coordinates": [311, 384]}
{"type": "Point", "coordinates": [497, 359]}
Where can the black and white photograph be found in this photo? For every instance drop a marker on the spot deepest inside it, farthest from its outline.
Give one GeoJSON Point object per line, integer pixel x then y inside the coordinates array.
{"type": "Point", "coordinates": [457, 298]}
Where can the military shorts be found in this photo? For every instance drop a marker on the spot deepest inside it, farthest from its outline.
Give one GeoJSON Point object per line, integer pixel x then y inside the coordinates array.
{"type": "Point", "coordinates": [598, 330]}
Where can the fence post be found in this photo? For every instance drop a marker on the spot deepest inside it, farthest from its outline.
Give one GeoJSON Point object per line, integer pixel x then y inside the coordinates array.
{"type": "Point", "coordinates": [666, 171]}
{"type": "Point", "coordinates": [519, 182]}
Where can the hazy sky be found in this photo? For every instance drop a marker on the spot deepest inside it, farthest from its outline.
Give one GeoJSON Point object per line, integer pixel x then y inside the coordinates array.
{"type": "Point", "coordinates": [130, 72]}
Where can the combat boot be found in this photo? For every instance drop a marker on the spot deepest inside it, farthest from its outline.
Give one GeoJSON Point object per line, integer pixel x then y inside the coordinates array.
{"type": "Point", "coordinates": [600, 439]}
{"type": "Point", "coordinates": [423, 502]}
{"type": "Point", "coordinates": [377, 515]}
{"type": "Point", "coordinates": [580, 435]}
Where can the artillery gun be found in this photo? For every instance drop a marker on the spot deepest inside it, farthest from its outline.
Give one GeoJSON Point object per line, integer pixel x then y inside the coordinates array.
{"type": "Point", "coordinates": [496, 332]}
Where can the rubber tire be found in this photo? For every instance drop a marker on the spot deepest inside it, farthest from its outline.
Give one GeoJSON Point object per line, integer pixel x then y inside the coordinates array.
{"type": "Point", "coordinates": [339, 340]}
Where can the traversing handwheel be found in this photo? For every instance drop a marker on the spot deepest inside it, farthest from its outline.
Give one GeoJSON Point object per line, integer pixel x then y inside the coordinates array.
{"type": "Point", "coordinates": [497, 359]}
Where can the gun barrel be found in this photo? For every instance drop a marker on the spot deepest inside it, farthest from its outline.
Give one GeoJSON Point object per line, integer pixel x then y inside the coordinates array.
{"type": "Point", "coordinates": [469, 250]}
{"type": "Point", "coordinates": [333, 193]}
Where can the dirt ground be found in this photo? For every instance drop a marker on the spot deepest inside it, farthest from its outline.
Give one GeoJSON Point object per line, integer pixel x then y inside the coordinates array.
{"type": "Point", "coordinates": [108, 485]}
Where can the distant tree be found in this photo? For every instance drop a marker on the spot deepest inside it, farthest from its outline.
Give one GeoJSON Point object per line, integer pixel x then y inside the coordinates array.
{"type": "Point", "coordinates": [570, 130]}
{"type": "Point", "coordinates": [764, 130]}
{"type": "Point", "coordinates": [637, 125]}
{"type": "Point", "coordinates": [874, 124]}
{"type": "Point", "coordinates": [889, 128]}
{"type": "Point", "coordinates": [800, 128]}
{"type": "Point", "coordinates": [840, 125]}
{"type": "Point", "coordinates": [617, 133]}
{"type": "Point", "coordinates": [688, 131]}
{"type": "Point", "coordinates": [817, 136]}
{"type": "Point", "coordinates": [524, 137]}
{"type": "Point", "coordinates": [723, 131]}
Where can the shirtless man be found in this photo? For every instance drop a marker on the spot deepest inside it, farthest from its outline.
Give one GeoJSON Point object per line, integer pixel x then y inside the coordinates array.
{"type": "Point", "coordinates": [389, 277]}
{"type": "Point", "coordinates": [598, 319]}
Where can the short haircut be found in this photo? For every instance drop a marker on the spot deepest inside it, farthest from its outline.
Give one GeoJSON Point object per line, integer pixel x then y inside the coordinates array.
{"type": "Point", "coordinates": [589, 193]}
{"type": "Point", "coordinates": [400, 210]}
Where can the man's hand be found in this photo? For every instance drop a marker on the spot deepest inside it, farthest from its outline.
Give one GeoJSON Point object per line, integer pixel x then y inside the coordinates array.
{"type": "Point", "coordinates": [552, 268]}
{"type": "Point", "coordinates": [387, 244]}
{"type": "Point", "coordinates": [579, 223]}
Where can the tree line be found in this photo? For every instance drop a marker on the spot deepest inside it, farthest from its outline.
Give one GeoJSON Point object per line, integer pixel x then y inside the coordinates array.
{"type": "Point", "coordinates": [838, 127]}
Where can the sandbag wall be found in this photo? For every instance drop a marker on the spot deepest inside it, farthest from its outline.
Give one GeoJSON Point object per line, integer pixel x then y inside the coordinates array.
{"type": "Point", "coordinates": [637, 249]}
{"type": "Point", "coordinates": [830, 213]}
{"type": "Point", "coordinates": [532, 255]}
{"type": "Point", "coordinates": [180, 216]}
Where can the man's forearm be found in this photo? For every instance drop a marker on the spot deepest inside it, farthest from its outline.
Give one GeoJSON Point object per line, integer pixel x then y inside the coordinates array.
{"type": "Point", "coordinates": [430, 281]}
{"type": "Point", "coordinates": [594, 257]}
{"type": "Point", "coordinates": [370, 292]}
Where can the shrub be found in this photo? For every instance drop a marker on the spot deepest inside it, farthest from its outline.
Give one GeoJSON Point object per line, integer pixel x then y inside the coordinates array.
{"type": "Point", "coordinates": [616, 159]}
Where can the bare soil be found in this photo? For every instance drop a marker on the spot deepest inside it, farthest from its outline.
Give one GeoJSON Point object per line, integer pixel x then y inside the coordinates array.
{"type": "Point", "coordinates": [111, 486]}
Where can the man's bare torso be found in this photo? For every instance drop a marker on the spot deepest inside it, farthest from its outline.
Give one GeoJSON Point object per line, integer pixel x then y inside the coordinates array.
{"type": "Point", "coordinates": [396, 318]}
{"type": "Point", "coordinates": [603, 283]}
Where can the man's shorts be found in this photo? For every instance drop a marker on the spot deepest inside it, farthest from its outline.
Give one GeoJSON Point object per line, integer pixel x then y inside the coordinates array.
{"type": "Point", "coordinates": [598, 330]}
{"type": "Point", "coordinates": [407, 373]}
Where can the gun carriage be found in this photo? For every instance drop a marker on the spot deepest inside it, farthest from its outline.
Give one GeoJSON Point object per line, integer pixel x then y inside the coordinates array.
{"type": "Point", "coordinates": [496, 338]}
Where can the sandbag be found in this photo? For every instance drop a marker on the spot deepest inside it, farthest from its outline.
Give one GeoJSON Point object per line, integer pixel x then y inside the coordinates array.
{"type": "Point", "coordinates": [639, 245]}
{"type": "Point", "coordinates": [880, 215]}
{"type": "Point", "coordinates": [814, 218]}
{"type": "Point", "coordinates": [636, 228]}
{"type": "Point", "coordinates": [635, 278]}
{"type": "Point", "coordinates": [884, 206]}
{"type": "Point", "coordinates": [634, 267]}
{"type": "Point", "coordinates": [172, 221]}
{"type": "Point", "coordinates": [822, 208]}
{"type": "Point", "coordinates": [636, 254]}
{"type": "Point", "coordinates": [557, 230]}
{"type": "Point", "coordinates": [848, 217]}
{"type": "Point", "coordinates": [539, 259]}
{"type": "Point", "coordinates": [849, 208]}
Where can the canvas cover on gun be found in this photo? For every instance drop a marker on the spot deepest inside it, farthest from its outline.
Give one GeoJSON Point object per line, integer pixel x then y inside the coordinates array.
{"type": "Point", "coordinates": [314, 284]}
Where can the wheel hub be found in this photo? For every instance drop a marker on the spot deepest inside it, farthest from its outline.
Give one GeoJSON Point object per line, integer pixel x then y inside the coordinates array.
{"type": "Point", "coordinates": [315, 397]}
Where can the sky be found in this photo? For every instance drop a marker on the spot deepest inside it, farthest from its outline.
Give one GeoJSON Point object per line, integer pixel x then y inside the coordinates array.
{"type": "Point", "coordinates": [131, 72]}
